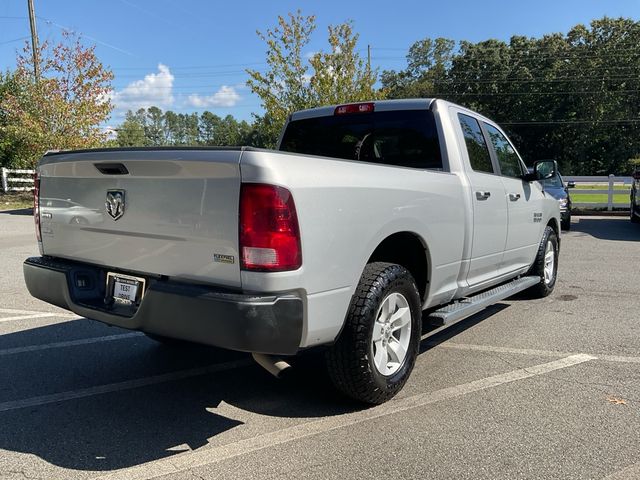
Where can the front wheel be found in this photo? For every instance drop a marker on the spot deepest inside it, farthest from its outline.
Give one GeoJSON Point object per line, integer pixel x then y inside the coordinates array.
{"type": "Point", "coordinates": [377, 349]}
{"type": "Point", "coordinates": [545, 265]}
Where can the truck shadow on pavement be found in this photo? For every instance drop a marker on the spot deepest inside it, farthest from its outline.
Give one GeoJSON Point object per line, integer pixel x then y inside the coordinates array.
{"type": "Point", "coordinates": [134, 426]}
{"type": "Point", "coordinates": [138, 425]}
{"type": "Point", "coordinates": [19, 211]}
{"type": "Point", "coordinates": [614, 228]}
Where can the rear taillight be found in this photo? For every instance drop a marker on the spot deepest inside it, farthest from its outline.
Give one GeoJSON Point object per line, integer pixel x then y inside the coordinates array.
{"type": "Point", "coordinates": [36, 205]}
{"type": "Point", "coordinates": [269, 233]}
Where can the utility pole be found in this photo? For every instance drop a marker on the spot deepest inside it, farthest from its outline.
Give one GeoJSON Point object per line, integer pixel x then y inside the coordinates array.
{"type": "Point", "coordinates": [368, 59]}
{"type": "Point", "coordinates": [34, 41]}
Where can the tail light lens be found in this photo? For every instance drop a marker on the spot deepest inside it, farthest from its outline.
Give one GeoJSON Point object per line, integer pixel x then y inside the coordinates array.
{"type": "Point", "coordinates": [351, 108]}
{"type": "Point", "coordinates": [36, 205]}
{"type": "Point", "coordinates": [269, 233]}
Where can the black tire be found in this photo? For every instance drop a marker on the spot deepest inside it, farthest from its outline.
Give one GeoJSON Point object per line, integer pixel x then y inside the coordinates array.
{"type": "Point", "coordinates": [566, 223]}
{"type": "Point", "coordinates": [350, 362]}
{"type": "Point", "coordinates": [544, 288]}
{"type": "Point", "coordinates": [634, 215]}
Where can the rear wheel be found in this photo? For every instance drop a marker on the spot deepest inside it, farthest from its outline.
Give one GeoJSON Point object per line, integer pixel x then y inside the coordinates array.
{"type": "Point", "coordinates": [545, 265]}
{"type": "Point", "coordinates": [376, 351]}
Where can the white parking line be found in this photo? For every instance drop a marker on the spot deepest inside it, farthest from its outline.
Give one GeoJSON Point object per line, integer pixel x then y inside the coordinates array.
{"type": "Point", "coordinates": [532, 352]}
{"type": "Point", "coordinates": [207, 456]}
{"type": "Point", "coordinates": [120, 386]}
{"type": "Point", "coordinates": [27, 317]}
{"type": "Point", "coordinates": [28, 314]}
{"type": "Point", "coordinates": [68, 343]}
{"type": "Point", "coordinates": [632, 471]}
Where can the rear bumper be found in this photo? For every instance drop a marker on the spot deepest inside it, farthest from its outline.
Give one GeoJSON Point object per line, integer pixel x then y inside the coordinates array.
{"type": "Point", "coordinates": [271, 324]}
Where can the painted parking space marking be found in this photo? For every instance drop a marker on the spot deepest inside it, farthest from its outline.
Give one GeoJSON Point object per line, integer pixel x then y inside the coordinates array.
{"type": "Point", "coordinates": [15, 314]}
{"type": "Point", "coordinates": [532, 352]}
{"type": "Point", "coordinates": [29, 314]}
{"type": "Point", "coordinates": [68, 343]}
{"type": "Point", "coordinates": [633, 471]}
{"type": "Point", "coordinates": [203, 457]}
{"type": "Point", "coordinates": [120, 386]}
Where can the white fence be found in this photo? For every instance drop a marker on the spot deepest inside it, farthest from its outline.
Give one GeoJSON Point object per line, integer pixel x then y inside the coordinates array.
{"type": "Point", "coordinates": [17, 180]}
{"type": "Point", "coordinates": [611, 181]}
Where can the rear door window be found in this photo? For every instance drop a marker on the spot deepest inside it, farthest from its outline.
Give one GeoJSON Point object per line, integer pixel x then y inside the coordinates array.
{"type": "Point", "coordinates": [508, 159]}
{"type": "Point", "coordinates": [405, 138]}
{"type": "Point", "coordinates": [477, 149]}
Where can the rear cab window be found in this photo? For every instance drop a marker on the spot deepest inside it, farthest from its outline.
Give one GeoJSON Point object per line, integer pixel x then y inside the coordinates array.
{"type": "Point", "coordinates": [404, 138]}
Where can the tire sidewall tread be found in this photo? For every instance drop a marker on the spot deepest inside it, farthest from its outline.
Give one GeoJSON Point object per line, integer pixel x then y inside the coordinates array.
{"type": "Point", "coordinates": [349, 360]}
{"type": "Point", "coordinates": [541, 289]}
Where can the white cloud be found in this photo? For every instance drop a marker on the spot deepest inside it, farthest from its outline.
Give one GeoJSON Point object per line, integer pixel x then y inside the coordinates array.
{"type": "Point", "coordinates": [155, 89]}
{"type": "Point", "coordinates": [110, 131]}
{"type": "Point", "coordinates": [225, 97]}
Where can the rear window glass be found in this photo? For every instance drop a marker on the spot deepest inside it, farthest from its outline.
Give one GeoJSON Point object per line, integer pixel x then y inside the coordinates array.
{"type": "Point", "coordinates": [406, 138]}
{"type": "Point", "coordinates": [476, 146]}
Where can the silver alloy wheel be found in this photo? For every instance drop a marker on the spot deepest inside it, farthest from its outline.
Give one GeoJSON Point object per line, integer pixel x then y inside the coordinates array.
{"type": "Point", "coordinates": [391, 334]}
{"type": "Point", "coordinates": [549, 262]}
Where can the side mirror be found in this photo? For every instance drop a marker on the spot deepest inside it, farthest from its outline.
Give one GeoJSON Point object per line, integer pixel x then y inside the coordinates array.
{"type": "Point", "coordinates": [542, 170]}
{"type": "Point", "coordinates": [571, 184]}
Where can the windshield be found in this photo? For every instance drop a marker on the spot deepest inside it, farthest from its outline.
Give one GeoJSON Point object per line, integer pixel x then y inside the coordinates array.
{"type": "Point", "coordinates": [406, 138]}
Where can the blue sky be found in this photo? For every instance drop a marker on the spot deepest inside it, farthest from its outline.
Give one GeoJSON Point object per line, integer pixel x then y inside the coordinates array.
{"type": "Point", "coordinates": [190, 55]}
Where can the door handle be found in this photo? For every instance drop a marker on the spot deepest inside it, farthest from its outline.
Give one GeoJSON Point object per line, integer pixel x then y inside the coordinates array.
{"type": "Point", "coordinates": [480, 195]}
{"type": "Point", "coordinates": [514, 197]}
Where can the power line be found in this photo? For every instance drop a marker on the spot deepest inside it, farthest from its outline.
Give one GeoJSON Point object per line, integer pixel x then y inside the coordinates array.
{"type": "Point", "coordinates": [574, 122]}
{"type": "Point", "coordinates": [80, 34]}
{"type": "Point", "coordinates": [14, 40]}
{"type": "Point", "coordinates": [491, 94]}
{"type": "Point", "coordinates": [193, 67]}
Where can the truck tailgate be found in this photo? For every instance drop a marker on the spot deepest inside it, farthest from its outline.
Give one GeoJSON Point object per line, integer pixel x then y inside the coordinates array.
{"type": "Point", "coordinates": [172, 212]}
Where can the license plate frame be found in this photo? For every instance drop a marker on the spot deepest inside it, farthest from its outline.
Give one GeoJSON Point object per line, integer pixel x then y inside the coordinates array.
{"type": "Point", "coordinates": [124, 289]}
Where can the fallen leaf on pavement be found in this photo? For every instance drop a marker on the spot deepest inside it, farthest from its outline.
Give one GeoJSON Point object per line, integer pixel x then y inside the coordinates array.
{"type": "Point", "coordinates": [616, 400]}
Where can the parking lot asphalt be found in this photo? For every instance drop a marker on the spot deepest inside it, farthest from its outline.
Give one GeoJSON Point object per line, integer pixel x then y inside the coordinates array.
{"type": "Point", "coordinates": [526, 389]}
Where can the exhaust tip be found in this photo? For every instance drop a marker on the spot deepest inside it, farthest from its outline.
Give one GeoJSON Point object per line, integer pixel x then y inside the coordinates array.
{"type": "Point", "coordinates": [274, 365]}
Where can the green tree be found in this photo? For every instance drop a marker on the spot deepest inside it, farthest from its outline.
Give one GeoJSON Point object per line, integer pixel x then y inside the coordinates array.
{"type": "Point", "coordinates": [293, 82]}
{"type": "Point", "coordinates": [131, 133]}
{"type": "Point", "coordinates": [428, 62]}
{"type": "Point", "coordinates": [574, 97]}
{"type": "Point", "coordinates": [10, 148]}
{"type": "Point", "coordinates": [154, 127]}
{"type": "Point", "coordinates": [64, 109]}
{"type": "Point", "coordinates": [209, 126]}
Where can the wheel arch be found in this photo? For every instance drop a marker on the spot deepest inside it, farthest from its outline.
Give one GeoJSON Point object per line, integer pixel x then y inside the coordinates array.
{"type": "Point", "coordinates": [555, 226]}
{"type": "Point", "coordinates": [409, 250]}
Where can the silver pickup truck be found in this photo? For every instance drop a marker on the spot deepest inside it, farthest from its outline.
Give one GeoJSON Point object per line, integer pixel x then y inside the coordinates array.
{"type": "Point", "coordinates": [369, 219]}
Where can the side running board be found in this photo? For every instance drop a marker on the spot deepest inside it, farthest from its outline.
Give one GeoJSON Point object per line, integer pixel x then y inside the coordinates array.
{"type": "Point", "coordinates": [454, 312]}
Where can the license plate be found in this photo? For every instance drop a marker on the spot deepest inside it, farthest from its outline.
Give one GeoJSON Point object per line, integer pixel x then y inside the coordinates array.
{"type": "Point", "coordinates": [124, 288]}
